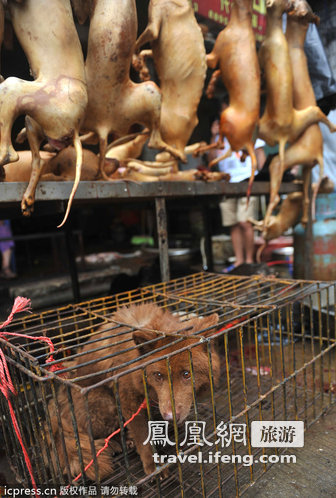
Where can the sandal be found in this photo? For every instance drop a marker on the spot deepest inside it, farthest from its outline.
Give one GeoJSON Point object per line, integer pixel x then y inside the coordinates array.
{"type": "Point", "coordinates": [228, 268]}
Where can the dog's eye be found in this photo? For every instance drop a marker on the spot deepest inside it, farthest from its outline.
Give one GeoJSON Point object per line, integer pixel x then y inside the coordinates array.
{"type": "Point", "coordinates": [158, 376]}
{"type": "Point", "coordinates": [186, 374]}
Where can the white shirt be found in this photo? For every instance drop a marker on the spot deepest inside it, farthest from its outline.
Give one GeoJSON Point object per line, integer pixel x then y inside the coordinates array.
{"type": "Point", "coordinates": [238, 170]}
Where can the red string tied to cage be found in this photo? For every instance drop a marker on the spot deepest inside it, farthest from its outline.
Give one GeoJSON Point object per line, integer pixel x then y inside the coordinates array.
{"type": "Point", "coordinates": [141, 407]}
{"type": "Point", "coordinates": [6, 385]}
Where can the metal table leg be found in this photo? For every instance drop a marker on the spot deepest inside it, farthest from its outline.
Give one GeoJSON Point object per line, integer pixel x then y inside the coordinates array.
{"type": "Point", "coordinates": [161, 220]}
{"type": "Point", "coordinates": [207, 238]}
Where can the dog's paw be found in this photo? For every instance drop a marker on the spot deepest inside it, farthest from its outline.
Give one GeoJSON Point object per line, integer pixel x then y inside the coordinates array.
{"type": "Point", "coordinates": [150, 468]}
{"type": "Point", "coordinates": [115, 447]}
{"type": "Point", "coordinates": [130, 443]}
{"type": "Point", "coordinates": [164, 474]}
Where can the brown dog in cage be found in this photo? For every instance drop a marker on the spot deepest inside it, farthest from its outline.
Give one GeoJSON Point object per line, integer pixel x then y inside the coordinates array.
{"type": "Point", "coordinates": [152, 333]}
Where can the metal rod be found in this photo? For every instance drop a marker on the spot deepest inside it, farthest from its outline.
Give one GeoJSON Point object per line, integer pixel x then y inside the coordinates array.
{"type": "Point", "coordinates": [207, 237]}
{"type": "Point", "coordinates": [161, 221]}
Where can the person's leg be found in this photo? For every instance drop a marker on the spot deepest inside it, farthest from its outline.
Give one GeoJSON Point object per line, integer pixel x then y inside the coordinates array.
{"type": "Point", "coordinates": [237, 238]}
{"type": "Point", "coordinates": [247, 240]}
{"type": "Point", "coordinates": [243, 214]}
{"type": "Point", "coordinates": [229, 210]}
{"type": "Point", "coordinates": [6, 257]}
{"type": "Point", "coordinates": [6, 261]}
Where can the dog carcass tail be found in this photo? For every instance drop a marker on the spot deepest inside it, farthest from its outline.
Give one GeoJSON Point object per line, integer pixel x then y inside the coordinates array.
{"type": "Point", "coordinates": [79, 161]}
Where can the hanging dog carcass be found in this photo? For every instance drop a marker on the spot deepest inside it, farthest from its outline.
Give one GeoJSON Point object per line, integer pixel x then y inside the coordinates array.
{"type": "Point", "coordinates": [115, 101]}
{"type": "Point", "coordinates": [55, 101]}
{"type": "Point", "coordinates": [283, 121]}
{"type": "Point", "coordinates": [308, 149]}
{"type": "Point", "coordinates": [287, 216]}
{"type": "Point", "coordinates": [179, 56]}
{"type": "Point", "coordinates": [235, 54]}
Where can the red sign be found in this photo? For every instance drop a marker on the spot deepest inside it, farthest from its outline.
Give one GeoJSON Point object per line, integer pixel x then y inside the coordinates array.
{"type": "Point", "coordinates": [219, 11]}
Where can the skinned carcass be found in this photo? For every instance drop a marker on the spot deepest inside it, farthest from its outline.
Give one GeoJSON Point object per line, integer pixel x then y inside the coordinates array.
{"type": "Point", "coordinates": [55, 166]}
{"type": "Point", "coordinates": [179, 56]}
{"type": "Point", "coordinates": [287, 217]}
{"type": "Point", "coordinates": [118, 155]}
{"type": "Point", "coordinates": [139, 174]}
{"type": "Point", "coordinates": [307, 150]}
{"type": "Point", "coordinates": [115, 101]}
{"type": "Point", "coordinates": [282, 122]}
{"type": "Point", "coordinates": [235, 54]}
{"type": "Point", "coordinates": [55, 101]}
{"type": "Point", "coordinates": [21, 170]}
{"type": "Point", "coordinates": [288, 214]}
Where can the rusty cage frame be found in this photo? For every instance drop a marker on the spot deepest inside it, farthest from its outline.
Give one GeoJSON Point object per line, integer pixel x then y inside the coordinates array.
{"type": "Point", "coordinates": [276, 340]}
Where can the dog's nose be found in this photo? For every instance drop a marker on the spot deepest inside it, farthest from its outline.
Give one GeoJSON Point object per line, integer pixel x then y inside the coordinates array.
{"type": "Point", "coordinates": [169, 416]}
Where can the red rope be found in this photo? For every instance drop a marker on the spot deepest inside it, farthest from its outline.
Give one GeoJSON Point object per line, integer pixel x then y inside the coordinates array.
{"type": "Point", "coordinates": [141, 407]}
{"type": "Point", "coordinates": [23, 304]}
{"type": "Point", "coordinates": [231, 324]}
{"type": "Point", "coordinates": [20, 304]}
{"type": "Point", "coordinates": [6, 384]}
{"type": "Point", "coordinates": [279, 262]}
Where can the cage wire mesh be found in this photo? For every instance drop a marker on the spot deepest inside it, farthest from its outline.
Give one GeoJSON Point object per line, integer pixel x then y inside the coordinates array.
{"type": "Point", "coordinates": [274, 341]}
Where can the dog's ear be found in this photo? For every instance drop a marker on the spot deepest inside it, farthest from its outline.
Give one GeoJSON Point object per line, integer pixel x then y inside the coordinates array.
{"type": "Point", "coordinates": [207, 322]}
{"type": "Point", "coordinates": [199, 324]}
{"type": "Point", "coordinates": [142, 338]}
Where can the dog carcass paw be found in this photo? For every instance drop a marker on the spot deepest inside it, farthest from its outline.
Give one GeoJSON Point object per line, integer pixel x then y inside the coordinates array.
{"type": "Point", "coordinates": [27, 206]}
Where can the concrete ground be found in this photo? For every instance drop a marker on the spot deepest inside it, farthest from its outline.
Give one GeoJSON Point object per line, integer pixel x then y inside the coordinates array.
{"type": "Point", "coordinates": [314, 473]}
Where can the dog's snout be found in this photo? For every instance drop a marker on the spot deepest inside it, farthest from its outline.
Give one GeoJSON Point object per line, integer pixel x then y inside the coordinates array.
{"type": "Point", "coordinates": [168, 415]}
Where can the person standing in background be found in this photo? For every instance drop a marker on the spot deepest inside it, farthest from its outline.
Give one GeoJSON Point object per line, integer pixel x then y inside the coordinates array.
{"type": "Point", "coordinates": [234, 210]}
{"type": "Point", "coordinates": [6, 248]}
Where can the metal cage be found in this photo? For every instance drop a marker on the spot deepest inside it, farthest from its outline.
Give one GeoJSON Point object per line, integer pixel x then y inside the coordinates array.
{"type": "Point", "coordinates": [276, 344]}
